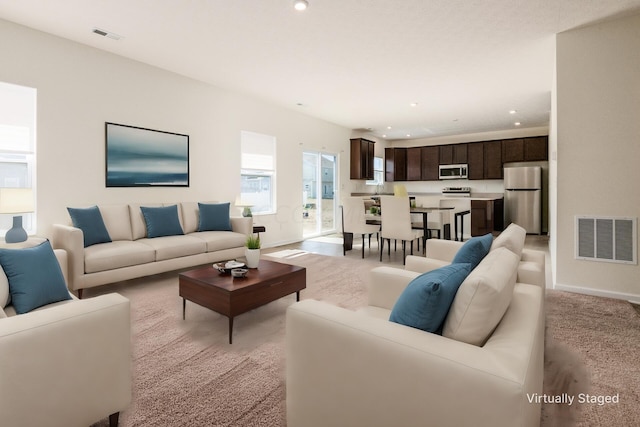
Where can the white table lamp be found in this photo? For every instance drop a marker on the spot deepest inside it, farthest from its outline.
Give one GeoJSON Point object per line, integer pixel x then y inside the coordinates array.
{"type": "Point", "coordinates": [16, 201]}
{"type": "Point", "coordinates": [246, 212]}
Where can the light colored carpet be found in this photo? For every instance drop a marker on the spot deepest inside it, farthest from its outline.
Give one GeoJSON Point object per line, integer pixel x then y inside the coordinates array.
{"type": "Point", "coordinates": [186, 374]}
{"type": "Point", "coordinates": [605, 335]}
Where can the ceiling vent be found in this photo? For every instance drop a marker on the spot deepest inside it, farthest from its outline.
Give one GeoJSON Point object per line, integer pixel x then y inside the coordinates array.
{"type": "Point", "coordinates": [608, 239]}
{"type": "Point", "coordinates": [104, 33]}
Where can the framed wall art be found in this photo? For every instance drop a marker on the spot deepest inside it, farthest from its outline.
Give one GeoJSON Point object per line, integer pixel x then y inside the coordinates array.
{"type": "Point", "coordinates": [139, 157]}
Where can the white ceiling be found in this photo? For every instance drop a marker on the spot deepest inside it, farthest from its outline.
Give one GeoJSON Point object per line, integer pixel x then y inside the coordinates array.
{"type": "Point", "coordinates": [356, 63]}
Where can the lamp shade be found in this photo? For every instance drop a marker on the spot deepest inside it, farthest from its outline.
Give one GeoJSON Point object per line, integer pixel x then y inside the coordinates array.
{"type": "Point", "coordinates": [241, 204]}
{"type": "Point", "coordinates": [16, 200]}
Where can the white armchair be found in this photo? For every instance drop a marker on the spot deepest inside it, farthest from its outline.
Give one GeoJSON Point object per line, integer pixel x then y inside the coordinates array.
{"type": "Point", "coordinates": [357, 368]}
{"type": "Point", "coordinates": [353, 368]}
{"type": "Point", "coordinates": [66, 364]}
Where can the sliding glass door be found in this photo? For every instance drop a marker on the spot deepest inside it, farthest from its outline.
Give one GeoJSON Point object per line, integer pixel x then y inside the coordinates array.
{"type": "Point", "coordinates": [318, 193]}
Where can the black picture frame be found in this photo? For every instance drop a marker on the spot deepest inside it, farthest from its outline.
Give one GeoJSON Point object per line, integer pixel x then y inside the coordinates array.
{"type": "Point", "coordinates": [141, 157]}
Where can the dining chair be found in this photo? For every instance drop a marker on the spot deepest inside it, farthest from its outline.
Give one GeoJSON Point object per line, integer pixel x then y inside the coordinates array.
{"type": "Point", "coordinates": [417, 219]}
{"type": "Point", "coordinates": [396, 223]}
{"type": "Point", "coordinates": [354, 221]}
{"type": "Point", "coordinates": [436, 222]}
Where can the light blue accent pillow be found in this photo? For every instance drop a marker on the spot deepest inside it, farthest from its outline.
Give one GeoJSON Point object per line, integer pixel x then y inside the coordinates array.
{"type": "Point", "coordinates": [474, 250]}
{"type": "Point", "coordinates": [90, 221]}
{"type": "Point", "coordinates": [162, 221]}
{"type": "Point", "coordinates": [425, 302]}
{"type": "Point", "coordinates": [35, 277]}
{"type": "Point", "coordinates": [214, 217]}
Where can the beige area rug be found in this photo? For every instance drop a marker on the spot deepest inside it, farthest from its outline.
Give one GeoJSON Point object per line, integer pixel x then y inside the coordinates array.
{"type": "Point", "coordinates": [186, 374]}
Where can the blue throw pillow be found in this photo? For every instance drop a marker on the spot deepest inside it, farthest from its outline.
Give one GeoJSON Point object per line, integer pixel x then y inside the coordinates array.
{"type": "Point", "coordinates": [35, 277]}
{"type": "Point", "coordinates": [162, 221]}
{"type": "Point", "coordinates": [214, 217]}
{"type": "Point", "coordinates": [426, 300]}
{"type": "Point", "coordinates": [474, 250]}
{"type": "Point", "coordinates": [90, 221]}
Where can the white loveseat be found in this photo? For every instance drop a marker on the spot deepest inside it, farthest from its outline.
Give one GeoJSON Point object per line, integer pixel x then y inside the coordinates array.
{"type": "Point", "coordinates": [66, 364]}
{"type": "Point", "coordinates": [356, 368]}
{"type": "Point", "coordinates": [132, 254]}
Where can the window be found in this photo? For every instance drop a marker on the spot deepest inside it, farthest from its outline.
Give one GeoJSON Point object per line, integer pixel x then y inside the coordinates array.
{"type": "Point", "coordinates": [378, 172]}
{"type": "Point", "coordinates": [17, 146]}
{"type": "Point", "coordinates": [258, 172]}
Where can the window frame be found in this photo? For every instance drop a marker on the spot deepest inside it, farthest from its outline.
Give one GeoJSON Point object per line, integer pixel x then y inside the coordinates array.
{"type": "Point", "coordinates": [378, 173]}
{"type": "Point", "coordinates": [258, 161]}
{"type": "Point", "coordinates": [21, 102]}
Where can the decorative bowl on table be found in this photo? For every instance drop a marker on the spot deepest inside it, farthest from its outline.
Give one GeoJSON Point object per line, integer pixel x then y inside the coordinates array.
{"type": "Point", "coordinates": [226, 267]}
{"type": "Point", "coordinates": [239, 272]}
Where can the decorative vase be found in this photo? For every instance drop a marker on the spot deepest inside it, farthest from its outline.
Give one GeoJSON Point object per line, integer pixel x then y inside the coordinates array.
{"type": "Point", "coordinates": [253, 257]}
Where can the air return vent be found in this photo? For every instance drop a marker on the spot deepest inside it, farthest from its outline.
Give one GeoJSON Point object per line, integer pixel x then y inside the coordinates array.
{"type": "Point", "coordinates": [608, 239]}
{"type": "Point", "coordinates": [105, 33]}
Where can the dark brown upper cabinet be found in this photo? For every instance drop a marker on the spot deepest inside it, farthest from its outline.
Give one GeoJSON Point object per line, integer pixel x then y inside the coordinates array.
{"type": "Point", "coordinates": [513, 150]}
{"type": "Point", "coordinates": [362, 154]}
{"type": "Point", "coordinates": [430, 162]}
{"type": "Point", "coordinates": [525, 149]}
{"type": "Point", "coordinates": [395, 164]}
{"type": "Point", "coordinates": [475, 152]}
{"type": "Point", "coordinates": [493, 160]}
{"type": "Point", "coordinates": [485, 159]}
{"type": "Point", "coordinates": [414, 164]}
{"type": "Point", "coordinates": [453, 154]}
{"type": "Point", "coordinates": [460, 154]}
{"type": "Point", "coordinates": [446, 154]}
{"type": "Point", "coordinates": [536, 148]}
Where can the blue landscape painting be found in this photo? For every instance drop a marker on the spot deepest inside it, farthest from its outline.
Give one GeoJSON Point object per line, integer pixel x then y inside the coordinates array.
{"type": "Point", "coordinates": [137, 157]}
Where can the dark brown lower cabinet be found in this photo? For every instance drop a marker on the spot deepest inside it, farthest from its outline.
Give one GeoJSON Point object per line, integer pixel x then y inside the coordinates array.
{"type": "Point", "coordinates": [487, 216]}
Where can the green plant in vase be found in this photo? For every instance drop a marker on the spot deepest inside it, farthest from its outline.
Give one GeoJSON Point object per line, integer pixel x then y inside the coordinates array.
{"type": "Point", "coordinates": [253, 241]}
{"type": "Point", "coordinates": [252, 252]}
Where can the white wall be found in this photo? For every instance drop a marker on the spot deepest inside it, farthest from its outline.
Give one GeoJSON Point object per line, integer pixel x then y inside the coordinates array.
{"type": "Point", "coordinates": [80, 88]}
{"type": "Point", "coordinates": [598, 145]}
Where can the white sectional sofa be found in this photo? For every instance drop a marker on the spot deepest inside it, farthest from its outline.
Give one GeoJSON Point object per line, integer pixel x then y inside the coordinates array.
{"type": "Point", "coordinates": [354, 368]}
{"type": "Point", "coordinates": [131, 253]}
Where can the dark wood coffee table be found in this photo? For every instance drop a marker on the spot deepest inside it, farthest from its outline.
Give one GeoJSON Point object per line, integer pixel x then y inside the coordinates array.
{"type": "Point", "coordinates": [231, 297]}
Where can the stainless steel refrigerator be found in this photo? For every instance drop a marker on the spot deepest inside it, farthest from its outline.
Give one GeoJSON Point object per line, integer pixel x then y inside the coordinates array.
{"type": "Point", "coordinates": [523, 197]}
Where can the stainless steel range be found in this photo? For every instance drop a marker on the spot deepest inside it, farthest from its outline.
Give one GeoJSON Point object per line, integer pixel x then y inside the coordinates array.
{"type": "Point", "coordinates": [456, 191]}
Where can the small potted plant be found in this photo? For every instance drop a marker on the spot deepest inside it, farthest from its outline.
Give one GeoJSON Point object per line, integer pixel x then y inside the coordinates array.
{"type": "Point", "coordinates": [252, 252]}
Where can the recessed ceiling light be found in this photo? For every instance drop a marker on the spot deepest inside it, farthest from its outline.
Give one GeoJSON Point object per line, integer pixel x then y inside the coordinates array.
{"type": "Point", "coordinates": [513, 111]}
{"type": "Point", "coordinates": [517, 123]}
{"type": "Point", "coordinates": [300, 4]}
{"type": "Point", "coordinates": [388, 127]}
{"type": "Point", "coordinates": [414, 104]}
{"type": "Point", "coordinates": [384, 135]}
{"type": "Point", "coordinates": [408, 135]}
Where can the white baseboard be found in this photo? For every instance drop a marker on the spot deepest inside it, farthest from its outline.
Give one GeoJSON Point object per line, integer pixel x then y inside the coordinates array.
{"type": "Point", "coordinates": [632, 298]}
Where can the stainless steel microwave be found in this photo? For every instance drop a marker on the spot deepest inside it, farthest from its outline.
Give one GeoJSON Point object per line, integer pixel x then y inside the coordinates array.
{"type": "Point", "coordinates": [453, 171]}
